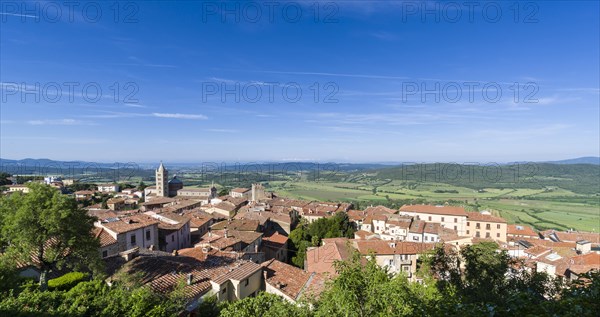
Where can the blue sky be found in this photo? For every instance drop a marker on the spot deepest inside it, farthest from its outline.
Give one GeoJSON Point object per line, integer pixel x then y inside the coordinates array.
{"type": "Point", "coordinates": [378, 68]}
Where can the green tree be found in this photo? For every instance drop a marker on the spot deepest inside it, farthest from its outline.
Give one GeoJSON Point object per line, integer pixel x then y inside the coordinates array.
{"type": "Point", "coordinates": [265, 304]}
{"type": "Point", "coordinates": [141, 185]}
{"type": "Point", "coordinates": [366, 289]}
{"type": "Point", "coordinates": [4, 179]}
{"type": "Point", "coordinates": [306, 235]}
{"type": "Point", "coordinates": [47, 230]}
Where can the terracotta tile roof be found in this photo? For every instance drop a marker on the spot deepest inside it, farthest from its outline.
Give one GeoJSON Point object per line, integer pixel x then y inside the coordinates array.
{"type": "Point", "coordinates": [163, 273]}
{"type": "Point", "coordinates": [85, 192]}
{"type": "Point", "coordinates": [104, 237]}
{"type": "Point", "coordinates": [102, 214]}
{"type": "Point", "coordinates": [520, 230]}
{"type": "Point", "coordinates": [130, 223]}
{"type": "Point", "coordinates": [549, 243]}
{"type": "Point", "coordinates": [211, 255]}
{"type": "Point", "coordinates": [584, 263]}
{"type": "Point", "coordinates": [238, 201]}
{"type": "Point", "coordinates": [217, 238]}
{"type": "Point", "coordinates": [205, 191]}
{"type": "Point", "coordinates": [447, 234]}
{"type": "Point", "coordinates": [289, 203]}
{"type": "Point", "coordinates": [363, 235]}
{"type": "Point", "coordinates": [236, 224]}
{"type": "Point", "coordinates": [239, 273]}
{"type": "Point", "coordinates": [182, 205]}
{"type": "Point", "coordinates": [159, 201]}
{"type": "Point", "coordinates": [573, 236]}
{"type": "Point", "coordinates": [587, 259]}
{"type": "Point", "coordinates": [432, 228]}
{"type": "Point", "coordinates": [356, 215]}
{"type": "Point", "coordinates": [198, 218]}
{"type": "Point", "coordinates": [382, 247]}
{"type": "Point", "coordinates": [321, 259]}
{"type": "Point", "coordinates": [378, 217]}
{"type": "Point", "coordinates": [276, 238]}
{"type": "Point", "coordinates": [170, 221]}
{"type": "Point", "coordinates": [537, 251]}
{"type": "Point", "coordinates": [115, 201]}
{"type": "Point", "coordinates": [417, 226]}
{"type": "Point", "coordinates": [316, 286]}
{"type": "Point", "coordinates": [240, 190]}
{"type": "Point", "coordinates": [226, 205]}
{"type": "Point", "coordinates": [436, 210]}
{"type": "Point", "coordinates": [288, 279]}
{"type": "Point", "coordinates": [477, 216]}
{"type": "Point", "coordinates": [379, 210]}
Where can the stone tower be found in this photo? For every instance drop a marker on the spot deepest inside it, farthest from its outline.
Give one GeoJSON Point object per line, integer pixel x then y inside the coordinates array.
{"type": "Point", "coordinates": [162, 181]}
{"type": "Point", "coordinates": [258, 192]}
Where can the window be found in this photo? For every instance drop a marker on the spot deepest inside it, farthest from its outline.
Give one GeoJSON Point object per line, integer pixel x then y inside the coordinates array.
{"type": "Point", "coordinates": [498, 226]}
{"type": "Point", "coordinates": [429, 218]}
{"type": "Point", "coordinates": [477, 226]}
{"type": "Point", "coordinates": [132, 239]}
{"type": "Point", "coordinates": [172, 238]}
{"type": "Point", "coordinates": [487, 234]}
{"type": "Point", "coordinates": [498, 235]}
{"type": "Point", "coordinates": [455, 220]}
{"type": "Point", "coordinates": [224, 290]}
{"type": "Point", "coordinates": [442, 219]}
{"type": "Point", "coordinates": [468, 223]}
{"type": "Point", "coordinates": [104, 253]}
{"type": "Point", "coordinates": [467, 231]}
{"type": "Point", "coordinates": [147, 234]}
{"type": "Point", "coordinates": [477, 234]}
{"type": "Point", "coordinates": [455, 228]}
{"type": "Point", "coordinates": [488, 226]}
{"type": "Point", "coordinates": [416, 238]}
{"type": "Point", "coordinates": [246, 282]}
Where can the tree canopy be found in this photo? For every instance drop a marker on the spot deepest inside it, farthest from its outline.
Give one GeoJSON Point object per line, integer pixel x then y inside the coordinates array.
{"type": "Point", "coordinates": [307, 235]}
{"type": "Point", "coordinates": [46, 230]}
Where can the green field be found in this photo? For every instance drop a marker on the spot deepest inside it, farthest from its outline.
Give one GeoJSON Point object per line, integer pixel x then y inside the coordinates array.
{"type": "Point", "coordinates": [545, 208]}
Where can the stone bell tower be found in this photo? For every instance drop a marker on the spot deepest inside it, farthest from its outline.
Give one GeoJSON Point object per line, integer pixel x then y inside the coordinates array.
{"type": "Point", "coordinates": [162, 181]}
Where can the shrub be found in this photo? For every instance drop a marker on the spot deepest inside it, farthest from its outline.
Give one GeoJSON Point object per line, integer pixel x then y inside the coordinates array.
{"type": "Point", "coordinates": [67, 281]}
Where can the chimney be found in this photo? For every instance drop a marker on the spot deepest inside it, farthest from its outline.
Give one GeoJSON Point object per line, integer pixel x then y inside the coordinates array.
{"type": "Point", "coordinates": [175, 253]}
{"type": "Point", "coordinates": [256, 248]}
{"type": "Point", "coordinates": [189, 279]}
{"type": "Point", "coordinates": [151, 247]}
{"type": "Point", "coordinates": [226, 235]}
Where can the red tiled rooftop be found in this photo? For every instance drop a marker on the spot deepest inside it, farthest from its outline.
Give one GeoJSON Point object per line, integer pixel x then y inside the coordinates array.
{"type": "Point", "coordinates": [276, 238]}
{"type": "Point", "coordinates": [520, 230]}
{"type": "Point", "coordinates": [288, 279]}
{"type": "Point", "coordinates": [477, 216]}
{"type": "Point", "coordinates": [437, 210]}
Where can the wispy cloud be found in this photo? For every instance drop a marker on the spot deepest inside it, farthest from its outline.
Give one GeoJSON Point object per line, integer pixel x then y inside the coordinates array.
{"type": "Point", "coordinates": [134, 105]}
{"type": "Point", "coordinates": [144, 65]}
{"type": "Point", "coordinates": [118, 115]}
{"type": "Point", "coordinates": [180, 116]}
{"type": "Point", "coordinates": [368, 76]}
{"type": "Point", "coordinates": [59, 122]}
{"type": "Point", "coordinates": [19, 15]}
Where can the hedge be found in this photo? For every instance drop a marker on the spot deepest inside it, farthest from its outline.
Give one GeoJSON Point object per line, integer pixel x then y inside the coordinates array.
{"type": "Point", "coordinates": [67, 281]}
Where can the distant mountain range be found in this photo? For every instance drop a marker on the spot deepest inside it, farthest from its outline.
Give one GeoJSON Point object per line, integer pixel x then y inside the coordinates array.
{"type": "Point", "coordinates": [595, 160]}
{"type": "Point", "coordinates": [50, 165]}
